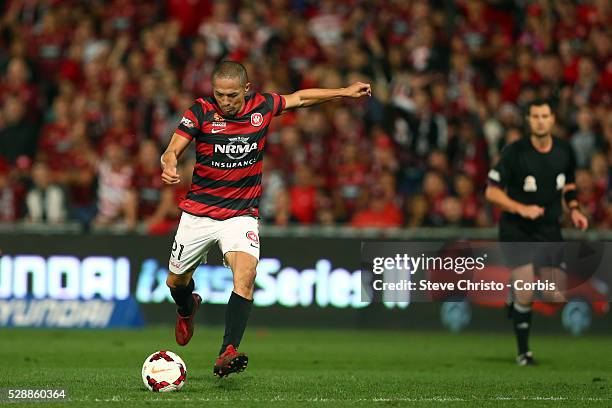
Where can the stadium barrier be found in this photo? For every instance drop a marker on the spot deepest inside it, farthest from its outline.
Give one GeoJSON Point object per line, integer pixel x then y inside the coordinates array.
{"type": "Point", "coordinates": [306, 278]}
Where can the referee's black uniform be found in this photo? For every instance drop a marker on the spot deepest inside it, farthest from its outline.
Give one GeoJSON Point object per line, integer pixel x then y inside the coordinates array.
{"type": "Point", "coordinates": [533, 178]}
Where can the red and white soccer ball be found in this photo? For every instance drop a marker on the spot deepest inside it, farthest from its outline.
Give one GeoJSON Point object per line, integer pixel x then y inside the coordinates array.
{"type": "Point", "coordinates": [164, 371]}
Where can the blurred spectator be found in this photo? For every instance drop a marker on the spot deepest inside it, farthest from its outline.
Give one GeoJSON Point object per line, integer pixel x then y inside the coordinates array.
{"type": "Point", "coordinates": [435, 190]}
{"type": "Point", "coordinates": [418, 130]}
{"type": "Point", "coordinates": [590, 196]}
{"type": "Point", "coordinates": [350, 172]}
{"type": "Point", "coordinates": [418, 212]}
{"type": "Point", "coordinates": [272, 184]}
{"type": "Point", "coordinates": [302, 195]}
{"type": "Point", "coordinates": [120, 131]}
{"type": "Point", "coordinates": [452, 212]}
{"type": "Point", "coordinates": [76, 172]}
{"type": "Point", "coordinates": [17, 83]}
{"type": "Point", "coordinates": [585, 141]}
{"type": "Point", "coordinates": [155, 200]}
{"type": "Point", "coordinates": [468, 152]}
{"type": "Point", "coordinates": [325, 210]}
{"type": "Point", "coordinates": [282, 217]}
{"type": "Point", "coordinates": [17, 135]}
{"type": "Point", "coordinates": [450, 81]}
{"type": "Point", "coordinates": [117, 202]}
{"type": "Point", "coordinates": [54, 140]}
{"type": "Point", "coordinates": [11, 195]}
{"type": "Point", "coordinates": [601, 172]}
{"type": "Point", "coordinates": [525, 74]}
{"type": "Point", "coordinates": [46, 202]}
{"type": "Point", "coordinates": [469, 201]}
{"type": "Point", "coordinates": [380, 213]}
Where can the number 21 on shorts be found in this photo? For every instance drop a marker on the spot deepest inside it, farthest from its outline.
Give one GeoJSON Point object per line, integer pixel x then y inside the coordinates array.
{"type": "Point", "coordinates": [178, 246]}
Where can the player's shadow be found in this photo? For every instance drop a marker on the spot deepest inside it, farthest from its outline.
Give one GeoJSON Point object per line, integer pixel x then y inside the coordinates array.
{"type": "Point", "coordinates": [501, 360]}
{"type": "Point", "coordinates": [493, 359]}
{"type": "Point", "coordinates": [230, 384]}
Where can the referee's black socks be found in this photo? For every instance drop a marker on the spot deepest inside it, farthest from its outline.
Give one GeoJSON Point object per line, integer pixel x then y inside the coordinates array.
{"type": "Point", "coordinates": [522, 324]}
{"type": "Point", "coordinates": [183, 299]}
{"type": "Point", "coordinates": [236, 317]}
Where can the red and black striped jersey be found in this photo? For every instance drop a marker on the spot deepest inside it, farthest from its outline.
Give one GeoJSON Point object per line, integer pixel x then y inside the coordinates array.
{"type": "Point", "coordinates": [229, 155]}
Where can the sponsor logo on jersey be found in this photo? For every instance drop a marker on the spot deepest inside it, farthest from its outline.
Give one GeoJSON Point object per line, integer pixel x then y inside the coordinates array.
{"type": "Point", "coordinates": [187, 123]}
{"type": "Point", "coordinates": [237, 148]}
{"type": "Point", "coordinates": [530, 184]}
{"type": "Point", "coordinates": [256, 119]}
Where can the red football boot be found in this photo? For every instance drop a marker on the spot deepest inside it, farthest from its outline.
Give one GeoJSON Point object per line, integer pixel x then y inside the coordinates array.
{"type": "Point", "coordinates": [184, 325]}
{"type": "Point", "coordinates": [229, 362]}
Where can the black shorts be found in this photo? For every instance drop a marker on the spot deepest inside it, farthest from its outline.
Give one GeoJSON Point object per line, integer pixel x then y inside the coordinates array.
{"type": "Point", "coordinates": [526, 243]}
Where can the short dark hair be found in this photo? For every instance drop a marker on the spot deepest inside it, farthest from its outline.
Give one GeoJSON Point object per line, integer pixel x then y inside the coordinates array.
{"type": "Point", "coordinates": [539, 102]}
{"type": "Point", "coordinates": [231, 69]}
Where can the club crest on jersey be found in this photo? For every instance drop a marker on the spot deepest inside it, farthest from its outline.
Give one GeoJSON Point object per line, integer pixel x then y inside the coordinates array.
{"type": "Point", "coordinates": [560, 181]}
{"type": "Point", "coordinates": [256, 119]}
{"type": "Point", "coordinates": [187, 123]}
{"type": "Point", "coordinates": [530, 184]}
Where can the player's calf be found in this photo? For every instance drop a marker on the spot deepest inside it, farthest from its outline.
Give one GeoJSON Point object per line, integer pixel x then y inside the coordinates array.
{"type": "Point", "coordinates": [181, 288]}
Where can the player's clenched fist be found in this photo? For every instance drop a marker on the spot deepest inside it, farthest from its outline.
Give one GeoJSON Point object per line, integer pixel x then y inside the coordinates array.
{"type": "Point", "coordinates": [170, 175]}
{"type": "Point", "coordinates": [359, 89]}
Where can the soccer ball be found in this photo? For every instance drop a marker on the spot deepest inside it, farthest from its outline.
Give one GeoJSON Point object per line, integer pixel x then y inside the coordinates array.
{"type": "Point", "coordinates": [164, 371]}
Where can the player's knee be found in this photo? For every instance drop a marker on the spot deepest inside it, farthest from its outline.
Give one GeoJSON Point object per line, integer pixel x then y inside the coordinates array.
{"type": "Point", "coordinates": [174, 281]}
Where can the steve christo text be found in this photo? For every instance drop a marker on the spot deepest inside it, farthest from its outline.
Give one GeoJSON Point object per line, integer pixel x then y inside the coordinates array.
{"type": "Point", "coordinates": [463, 284]}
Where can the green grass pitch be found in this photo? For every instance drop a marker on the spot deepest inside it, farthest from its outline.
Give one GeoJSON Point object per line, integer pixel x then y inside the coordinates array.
{"type": "Point", "coordinates": [313, 368]}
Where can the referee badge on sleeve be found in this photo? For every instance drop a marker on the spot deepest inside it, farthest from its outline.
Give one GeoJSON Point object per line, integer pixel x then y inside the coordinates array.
{"type": "Point", "coordinates": [494, 175]}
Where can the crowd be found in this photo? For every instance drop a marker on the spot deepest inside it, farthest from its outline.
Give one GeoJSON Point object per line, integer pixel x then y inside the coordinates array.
{"type": "Point", "coordinates": [91, 92]}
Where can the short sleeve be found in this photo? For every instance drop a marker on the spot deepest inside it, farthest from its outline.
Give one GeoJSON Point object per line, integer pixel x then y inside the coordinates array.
{"type": "Point", "coordinates": [501, 173]}
{"type": "Point", "coordinates": [275, 102]}
{"type": "Point", "coordinates": [191, 121]}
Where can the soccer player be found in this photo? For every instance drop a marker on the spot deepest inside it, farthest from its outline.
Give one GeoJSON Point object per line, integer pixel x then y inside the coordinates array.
{"type": "Point", "coordinates": [221, 207]}
{"type": "Point", "coordinates": [528, 183]}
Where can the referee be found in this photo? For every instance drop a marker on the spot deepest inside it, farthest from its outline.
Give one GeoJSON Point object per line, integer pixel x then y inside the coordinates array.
{"type": "Point", "coordinates": [529, 182]}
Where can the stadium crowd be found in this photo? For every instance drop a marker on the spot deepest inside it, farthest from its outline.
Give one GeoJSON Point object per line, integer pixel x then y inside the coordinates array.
{"type": "Point", "coordinates": [91, 92]}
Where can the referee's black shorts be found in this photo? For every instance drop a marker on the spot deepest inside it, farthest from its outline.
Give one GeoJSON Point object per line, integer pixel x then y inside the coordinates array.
{"type": "Point", "coordinates": [528, 242]}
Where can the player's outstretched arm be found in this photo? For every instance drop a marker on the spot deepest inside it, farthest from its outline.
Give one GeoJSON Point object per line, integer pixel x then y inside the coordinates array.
{"type": "Point", "coordinates": [498, 197]}
{"type": "Point", "coordinates": [314, 96]}
{"type": "Point", "coordinates": [169, 158]}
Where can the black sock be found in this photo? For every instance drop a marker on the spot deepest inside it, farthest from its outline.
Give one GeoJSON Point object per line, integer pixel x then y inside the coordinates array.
{"type": "Point", "coordinates": [522, 324]}
{"type": "Point", "coordinates": [236, 317]}
{"type": "Point", "coordinates": [183, 299]}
